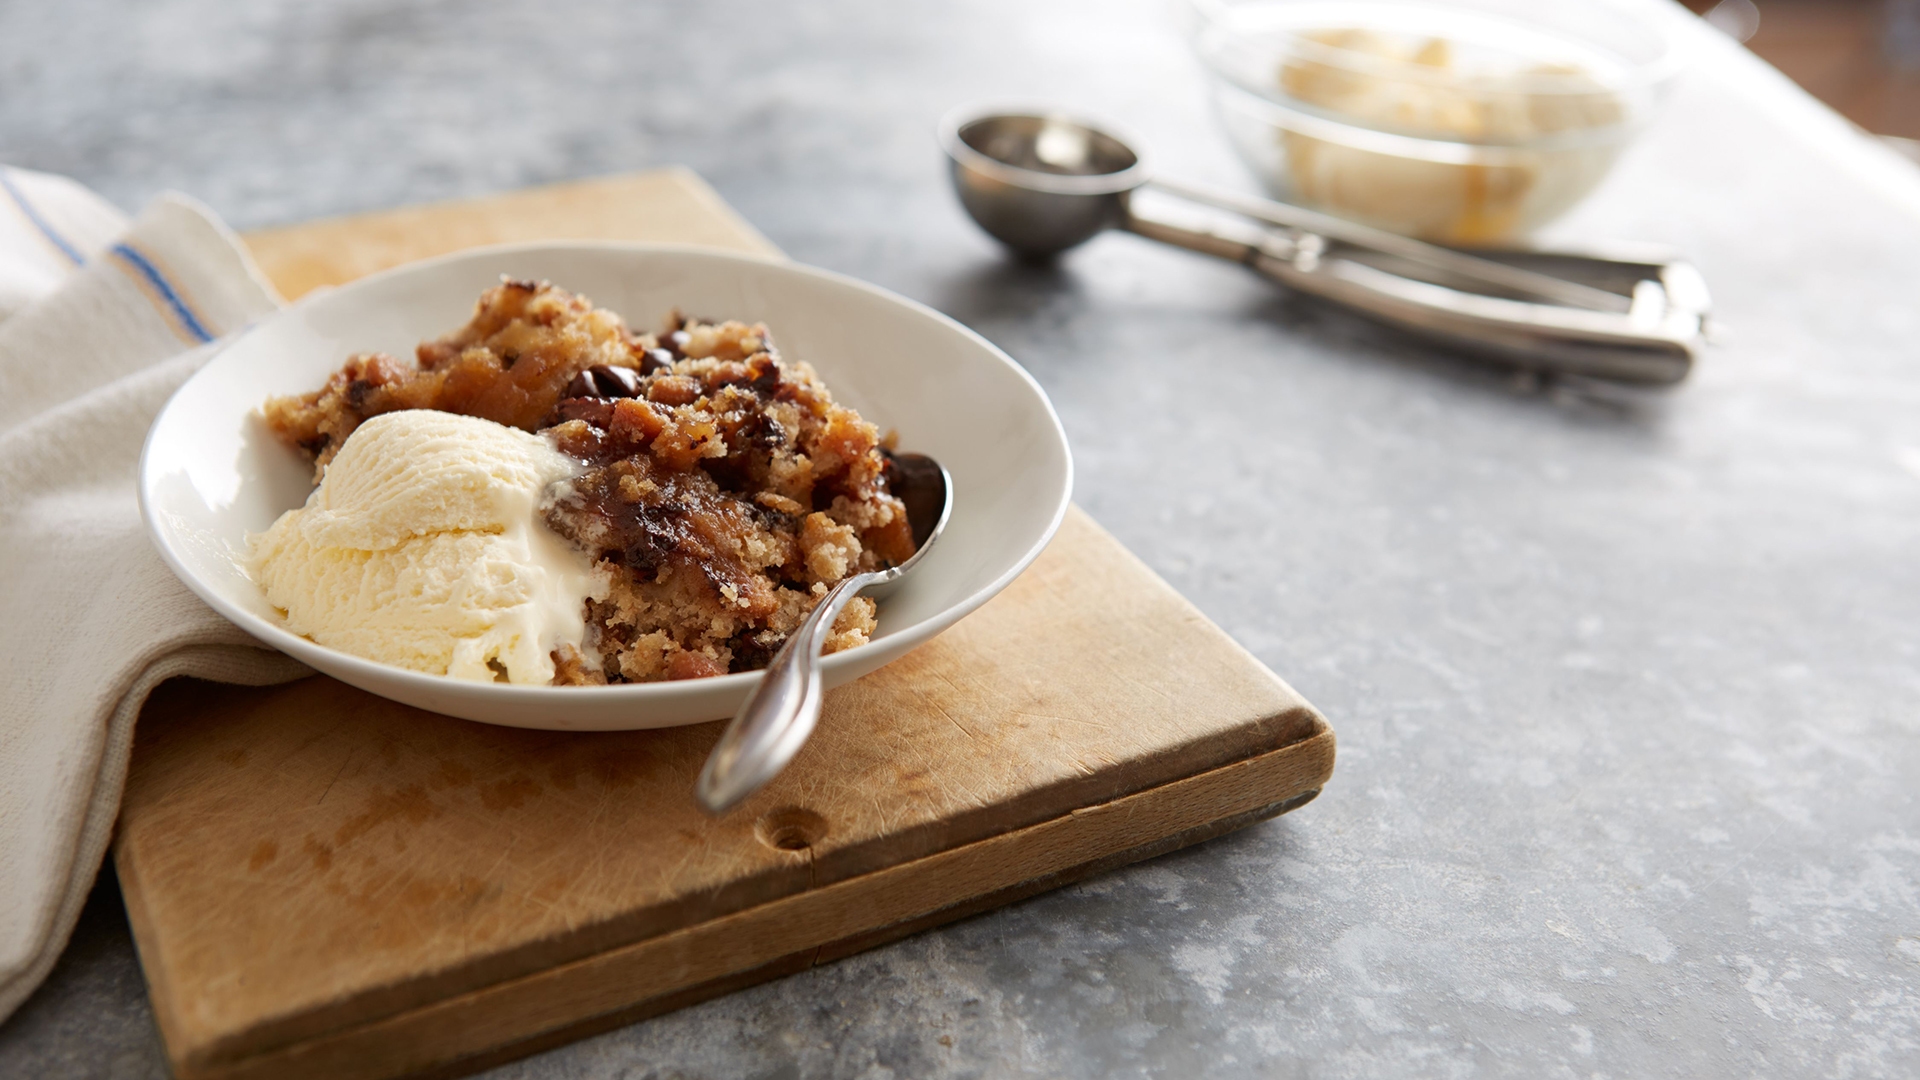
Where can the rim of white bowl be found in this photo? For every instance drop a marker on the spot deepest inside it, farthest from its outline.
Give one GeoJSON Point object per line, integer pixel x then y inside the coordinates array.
{"type": "Point", "coordinates": [638, 693]}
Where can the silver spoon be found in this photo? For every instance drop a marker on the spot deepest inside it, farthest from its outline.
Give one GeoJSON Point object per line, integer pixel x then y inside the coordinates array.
{"type": "Point", "coordinates": [774, 723]}
{"type": "Point", "coordinates": [1041, 183]}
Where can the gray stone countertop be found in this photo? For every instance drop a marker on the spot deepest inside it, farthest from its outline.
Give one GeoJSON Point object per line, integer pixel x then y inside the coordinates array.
{"type": "Point", "coordinates": [1627, 684]}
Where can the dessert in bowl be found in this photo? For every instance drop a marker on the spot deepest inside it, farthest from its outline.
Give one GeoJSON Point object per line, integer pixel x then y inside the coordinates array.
{"type": "Point", "coordinates": [546, 495]}
{"type": "Point", "coordinates": [219, 470]}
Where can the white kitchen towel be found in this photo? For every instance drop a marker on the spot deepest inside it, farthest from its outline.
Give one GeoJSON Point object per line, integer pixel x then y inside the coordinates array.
{"type": "Point", "coordinates": [100, 321]}
{"type": "Point", "coordinates": [49, 226]}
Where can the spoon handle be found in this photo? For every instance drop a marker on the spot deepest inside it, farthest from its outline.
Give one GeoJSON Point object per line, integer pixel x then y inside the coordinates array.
{"type": "Point", "coordinates": [770, 728]}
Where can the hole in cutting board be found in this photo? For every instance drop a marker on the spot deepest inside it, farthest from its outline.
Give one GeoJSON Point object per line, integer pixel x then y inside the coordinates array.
{"type": "Point", "coordinates": [791, 828]}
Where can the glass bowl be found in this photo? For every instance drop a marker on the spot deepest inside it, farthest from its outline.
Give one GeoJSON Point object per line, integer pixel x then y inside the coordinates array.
{"type": "Point", "coordinates": [1459, 121]}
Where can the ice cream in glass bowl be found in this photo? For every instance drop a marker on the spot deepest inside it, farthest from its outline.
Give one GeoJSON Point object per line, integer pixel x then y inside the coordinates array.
{"type": "Point", "coordinates": [1457, 121]}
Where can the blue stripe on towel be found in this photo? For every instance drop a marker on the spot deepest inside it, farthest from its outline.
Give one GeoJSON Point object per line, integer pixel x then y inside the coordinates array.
{"type": "Point", "coordinates": [20, 199]}
{"type": "Point", "coordinates": [165, 289]}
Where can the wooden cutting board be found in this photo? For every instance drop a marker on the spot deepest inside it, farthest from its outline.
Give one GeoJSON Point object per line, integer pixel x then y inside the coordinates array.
{"type": "Point", "coordinates": [323, 883]}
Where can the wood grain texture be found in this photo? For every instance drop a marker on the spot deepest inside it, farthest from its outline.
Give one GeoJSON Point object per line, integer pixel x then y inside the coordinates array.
{"type": "Point", "coordinates": [325, 883]}
{"type": "Point", "coordinates": [813, 926]}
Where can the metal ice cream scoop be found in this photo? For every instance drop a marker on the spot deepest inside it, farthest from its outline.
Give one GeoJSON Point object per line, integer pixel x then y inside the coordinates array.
{"type": "Point", "coordinates": [1041, 182]}
{"type": "Point", "coordinates": [774, 723]}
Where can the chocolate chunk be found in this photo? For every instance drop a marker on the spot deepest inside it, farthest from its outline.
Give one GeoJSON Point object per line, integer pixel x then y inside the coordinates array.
{"type": "Point", "coordinates": [656, 533]}
{"type": "Point", "coordinates": [583, 385]}
{"type": "Point", "coordinates": [766, 376]}
{"type": "Point", "coordinates": [738, 472]}
{"type": "Point", "coordinates": [656, 360]}
{"type": "Point", "coordinates": [595, 411]}
{"type": "Point", "coordinates": [754, 649]}
{"type": "Point", "coordinates": [676, 343]}
{"type": "Point", "coordinates": [615, 382]}
{"type": "Point", "coordinates": [763, 431]}
{"type": "Point", "coordinates": [772, 519]}
{"type": "Point", "coordinates": [770, 435]}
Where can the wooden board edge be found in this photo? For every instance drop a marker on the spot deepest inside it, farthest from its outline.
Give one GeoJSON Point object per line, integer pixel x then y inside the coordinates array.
{"type": "Point", "coordinates": [1291, 725]}
{"type": "Point", "coordinates": [794, 963]}
{"type": "Point", "coordinates": [660, 974]}
{"type": "Point", "coordinates": [140, 926]}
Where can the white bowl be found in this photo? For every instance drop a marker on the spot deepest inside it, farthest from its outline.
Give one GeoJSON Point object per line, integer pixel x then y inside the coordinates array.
{"type": "Point", "coordinates": [212, 473]}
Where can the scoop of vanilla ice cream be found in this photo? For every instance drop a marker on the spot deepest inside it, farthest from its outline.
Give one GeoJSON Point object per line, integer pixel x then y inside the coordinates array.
{"type": "Point", "coordinates": [423, 548]}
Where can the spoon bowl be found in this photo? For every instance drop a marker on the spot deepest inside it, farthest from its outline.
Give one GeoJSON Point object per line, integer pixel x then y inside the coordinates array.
{"type": "Point", "coordinates": [1040, 183]}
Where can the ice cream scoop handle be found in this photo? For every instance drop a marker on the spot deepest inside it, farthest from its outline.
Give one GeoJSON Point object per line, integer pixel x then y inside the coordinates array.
{"type": "Point", "coordinates": [770, 728]}
{"type": "Point", "coordinates": [1569, 340]}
